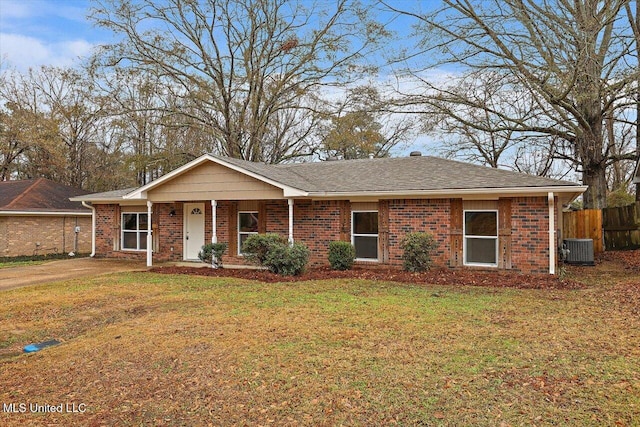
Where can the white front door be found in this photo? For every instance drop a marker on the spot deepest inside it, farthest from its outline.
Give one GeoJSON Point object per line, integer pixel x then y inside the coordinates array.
{"type": "Point", "coordinates": [193, 230]}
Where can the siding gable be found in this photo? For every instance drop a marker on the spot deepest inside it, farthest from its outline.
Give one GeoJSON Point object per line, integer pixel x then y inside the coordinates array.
{"type": "Point", "coordinates": [211, 181]}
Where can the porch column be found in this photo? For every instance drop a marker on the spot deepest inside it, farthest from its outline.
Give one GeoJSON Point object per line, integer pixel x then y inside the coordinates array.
{"type": "Point", "coordinates": [149, 238]}
{"type": "Point", "coordinates": [214, 231]}
{"type": "Point", "coordinates": [552, 234]}
{"type": "Point", "coordinates": [290, 202]}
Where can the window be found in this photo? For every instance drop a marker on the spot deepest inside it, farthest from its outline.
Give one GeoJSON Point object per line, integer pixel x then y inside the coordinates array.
{"type": "Point", "coordinates": [364, 235]}
{"type": "Point", "coordinates": [247, 225]}
{"type": "Point", "coordinates": [481, 238]}
{"type": "Point", "coordinates": [134, 231]}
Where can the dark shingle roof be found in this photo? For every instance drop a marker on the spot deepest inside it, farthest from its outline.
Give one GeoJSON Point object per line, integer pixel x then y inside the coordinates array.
{"type": "Point", "coordinates": [108, 195]}
{"type": "Point", "coordinates": [39, 195]}
{"type": "Point", "coordinates": [393, 174]}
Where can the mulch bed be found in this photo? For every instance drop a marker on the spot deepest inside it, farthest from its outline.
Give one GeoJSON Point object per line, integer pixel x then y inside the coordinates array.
{"type": "Point", "coordinates": [433, 277]}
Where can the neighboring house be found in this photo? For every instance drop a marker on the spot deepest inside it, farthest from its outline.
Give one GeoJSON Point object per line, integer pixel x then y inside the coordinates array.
{"type": "Point", "coordinates": [37, 218]}
{"type": "Point", "coordinates": [480, 217]}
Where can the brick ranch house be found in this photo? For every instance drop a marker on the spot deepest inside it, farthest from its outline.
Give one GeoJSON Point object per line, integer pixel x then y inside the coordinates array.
{"type": "Point", "coordinates": [37, 218]}
{"type": "Point", "coordinates": [481, 217]}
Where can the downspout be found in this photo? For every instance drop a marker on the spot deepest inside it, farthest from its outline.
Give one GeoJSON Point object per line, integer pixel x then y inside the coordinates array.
{"type": "Point", "coordinates": [149, 235]}
{"type": "Point", "coordinates": [214, 221]}
{"type": "Point", "coordinates": [93, 228]}
{"type": "Point", "coordinates": [552, 234]}
{"type": "Point", "coordinates": [290, 239]}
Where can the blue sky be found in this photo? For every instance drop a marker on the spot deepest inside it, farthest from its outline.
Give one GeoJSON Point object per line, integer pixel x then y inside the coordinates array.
{"type": "Point", "coordinates": [58, 33]}
{"type": "Point", "coordinates": [46, 32]}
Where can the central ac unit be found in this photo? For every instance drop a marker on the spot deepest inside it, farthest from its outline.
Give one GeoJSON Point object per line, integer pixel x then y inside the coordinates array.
{"type": "Point", "coordinates": [579, 251]}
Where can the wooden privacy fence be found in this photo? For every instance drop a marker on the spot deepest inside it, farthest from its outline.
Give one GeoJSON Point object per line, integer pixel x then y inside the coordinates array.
{"type": "Point", "coordinates": [584, 224]}
{"type": "Point", "coordinates": [622, 227]}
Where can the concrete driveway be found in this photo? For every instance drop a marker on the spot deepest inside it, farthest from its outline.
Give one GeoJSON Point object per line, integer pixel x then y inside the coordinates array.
{"type": "Point", "coordinates": [15, 277]}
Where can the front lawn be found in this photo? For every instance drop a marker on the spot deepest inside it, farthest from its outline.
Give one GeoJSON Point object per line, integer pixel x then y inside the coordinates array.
{"type": "Point", "coordinates": [25, 261]}
{"type": "Point", "coordinates": [155, 349]}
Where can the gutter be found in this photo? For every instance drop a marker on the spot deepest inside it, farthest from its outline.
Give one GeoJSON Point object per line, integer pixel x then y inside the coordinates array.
{"type": "Point", "coordinates": [574, 191]}
{"type": "Point", "coordinates": [93, 228]}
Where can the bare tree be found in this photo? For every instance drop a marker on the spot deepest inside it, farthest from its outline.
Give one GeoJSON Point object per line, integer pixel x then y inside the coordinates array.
{"type": "Point", "coordinates": [470, 118]}
{"type": "Point", "coordinates": [71, 98]}
{"type": "Point", "coordinates": [246, 68]}
{"type": "Point", "coordinates": [30, 144]}
{"type": "Point", "coordinates": [569, 56]}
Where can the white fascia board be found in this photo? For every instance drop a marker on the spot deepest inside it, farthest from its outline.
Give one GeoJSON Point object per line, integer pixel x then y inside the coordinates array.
{"type": "Point", "coordinates": [44, 213]}
{"type": "Point", "coordinates": [141, 193]}
{"type": "Point", "coordinates": [98, 201]}
{"type": "Point", "coordinates": [574, 191]}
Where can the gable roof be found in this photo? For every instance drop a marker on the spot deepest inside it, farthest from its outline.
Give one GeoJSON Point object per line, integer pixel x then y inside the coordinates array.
{"type": "Point", "coordinates": [394, 176]}
{"type": "Point", "coordinates": [39, 196]}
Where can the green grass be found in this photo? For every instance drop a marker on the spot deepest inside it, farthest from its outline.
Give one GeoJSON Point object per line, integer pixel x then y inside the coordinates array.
{"type": "Point", "coordinates": [146, 349]}
{"type": "Point", "coordinates": [24, 261]}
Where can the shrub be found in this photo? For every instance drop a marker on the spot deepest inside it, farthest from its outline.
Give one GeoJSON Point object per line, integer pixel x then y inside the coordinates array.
{"type": "Point", "coordinates": [257, 246]}
{"type": "Point", "coordinates": [211, 253]}
{"type": "Point", "coordinates": [417, 249]}
{"type": "Point", "coordinates": [274, 252]}
{"type": "Point", "coordinates": [287, 260]}
{"type": "Point", "coordinates": [341, 255]}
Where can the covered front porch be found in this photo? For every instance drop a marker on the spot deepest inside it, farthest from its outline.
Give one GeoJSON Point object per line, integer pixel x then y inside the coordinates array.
{"type": "Point", "coordinates": [178, 229]}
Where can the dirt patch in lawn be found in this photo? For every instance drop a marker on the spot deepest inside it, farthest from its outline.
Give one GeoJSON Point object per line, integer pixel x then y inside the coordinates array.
{"type": "Point", "coordinates": [432, 277]}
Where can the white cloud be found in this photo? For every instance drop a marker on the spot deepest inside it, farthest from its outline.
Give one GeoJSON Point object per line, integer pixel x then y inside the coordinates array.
{"type": "Point", "coordinates": [23, 52]}
{"type": "Point", "coordinates": [15, 9]}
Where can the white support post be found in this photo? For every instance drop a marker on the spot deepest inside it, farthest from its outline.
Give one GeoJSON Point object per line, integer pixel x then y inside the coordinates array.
{"type": "Point", "coordinates": [214, 216]}
{"type": "Point", "coordinates": [552, 234]}
{"type": "Point", "coordinates": [149, 237]}
{"type": "Point", "coordinates": [290, 202]}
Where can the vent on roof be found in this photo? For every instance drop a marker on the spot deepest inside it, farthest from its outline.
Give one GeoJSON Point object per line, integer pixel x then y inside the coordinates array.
{"type": "Point", "coordinates": [580, 251]}
{"type": "Point", "coordinates": [415, 154]}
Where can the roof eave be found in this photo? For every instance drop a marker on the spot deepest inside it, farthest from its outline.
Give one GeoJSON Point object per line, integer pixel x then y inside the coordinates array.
{"type": "Point", "coordinates": [97, 200]}
{"type": "Point", "coordinates": [572, 190]}
{"type": "Point", "coordinates": [45, 213]}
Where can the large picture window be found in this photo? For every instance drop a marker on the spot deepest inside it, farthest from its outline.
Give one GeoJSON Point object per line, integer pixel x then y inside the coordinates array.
{"type": "Point", "coordinates": [134, 231]}
{"type": "Point", "coordinates": [364, 235]}
{"type": "Point", "coordinates": [247, 225]}
{"type": "Point", "coordinates": [481, 238]}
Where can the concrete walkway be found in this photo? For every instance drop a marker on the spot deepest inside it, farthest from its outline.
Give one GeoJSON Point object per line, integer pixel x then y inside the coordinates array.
{"type": "Point", "coordinates": [16, 277]}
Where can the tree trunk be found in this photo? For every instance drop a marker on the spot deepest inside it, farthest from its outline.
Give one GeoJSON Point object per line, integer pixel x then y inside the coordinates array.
{"type": "Point", "coordinates": [596, 195]}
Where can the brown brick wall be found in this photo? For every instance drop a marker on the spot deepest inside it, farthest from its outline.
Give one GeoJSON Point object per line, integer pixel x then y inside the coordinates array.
{"type": "Point", "coordinates": [419, 215]}
{"type": "Point", "coordinates": [317, 223]}
{"type": "Point", "coordinates": [530, 234]}
{"type": "Point", "coordinates": [39, 235]}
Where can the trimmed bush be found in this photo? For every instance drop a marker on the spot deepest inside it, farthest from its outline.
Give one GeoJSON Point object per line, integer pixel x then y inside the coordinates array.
{"type": "Point", "coordinates": [211, 253]}
{"type": "Point", "coordinates": [274, 252]}
{"type": "Point", "coordinates": [257, 246]}
{"type": "Point", "coordinates": [341, 255]}
{"type": "Point", "coordinates": [287, 260]}
{"type": "Point", "coordinates": [417, 249]}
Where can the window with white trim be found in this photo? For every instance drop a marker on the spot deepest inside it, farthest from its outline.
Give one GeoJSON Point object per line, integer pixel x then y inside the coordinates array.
{"type": "Point", "coordinates": [364, 234]}
{"type": "Point", "coordinates": [134, 231]}
{"type": "Point", "coordinates": [481, 238]}
{"type": "Point", "coordinates": [247, 225]}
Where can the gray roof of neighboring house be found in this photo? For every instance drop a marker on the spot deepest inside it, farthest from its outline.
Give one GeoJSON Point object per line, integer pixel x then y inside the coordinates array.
{"type": "Point", "coordinates": [38, 196]}
{"type": "Point", "coordinates": [392, 174]}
